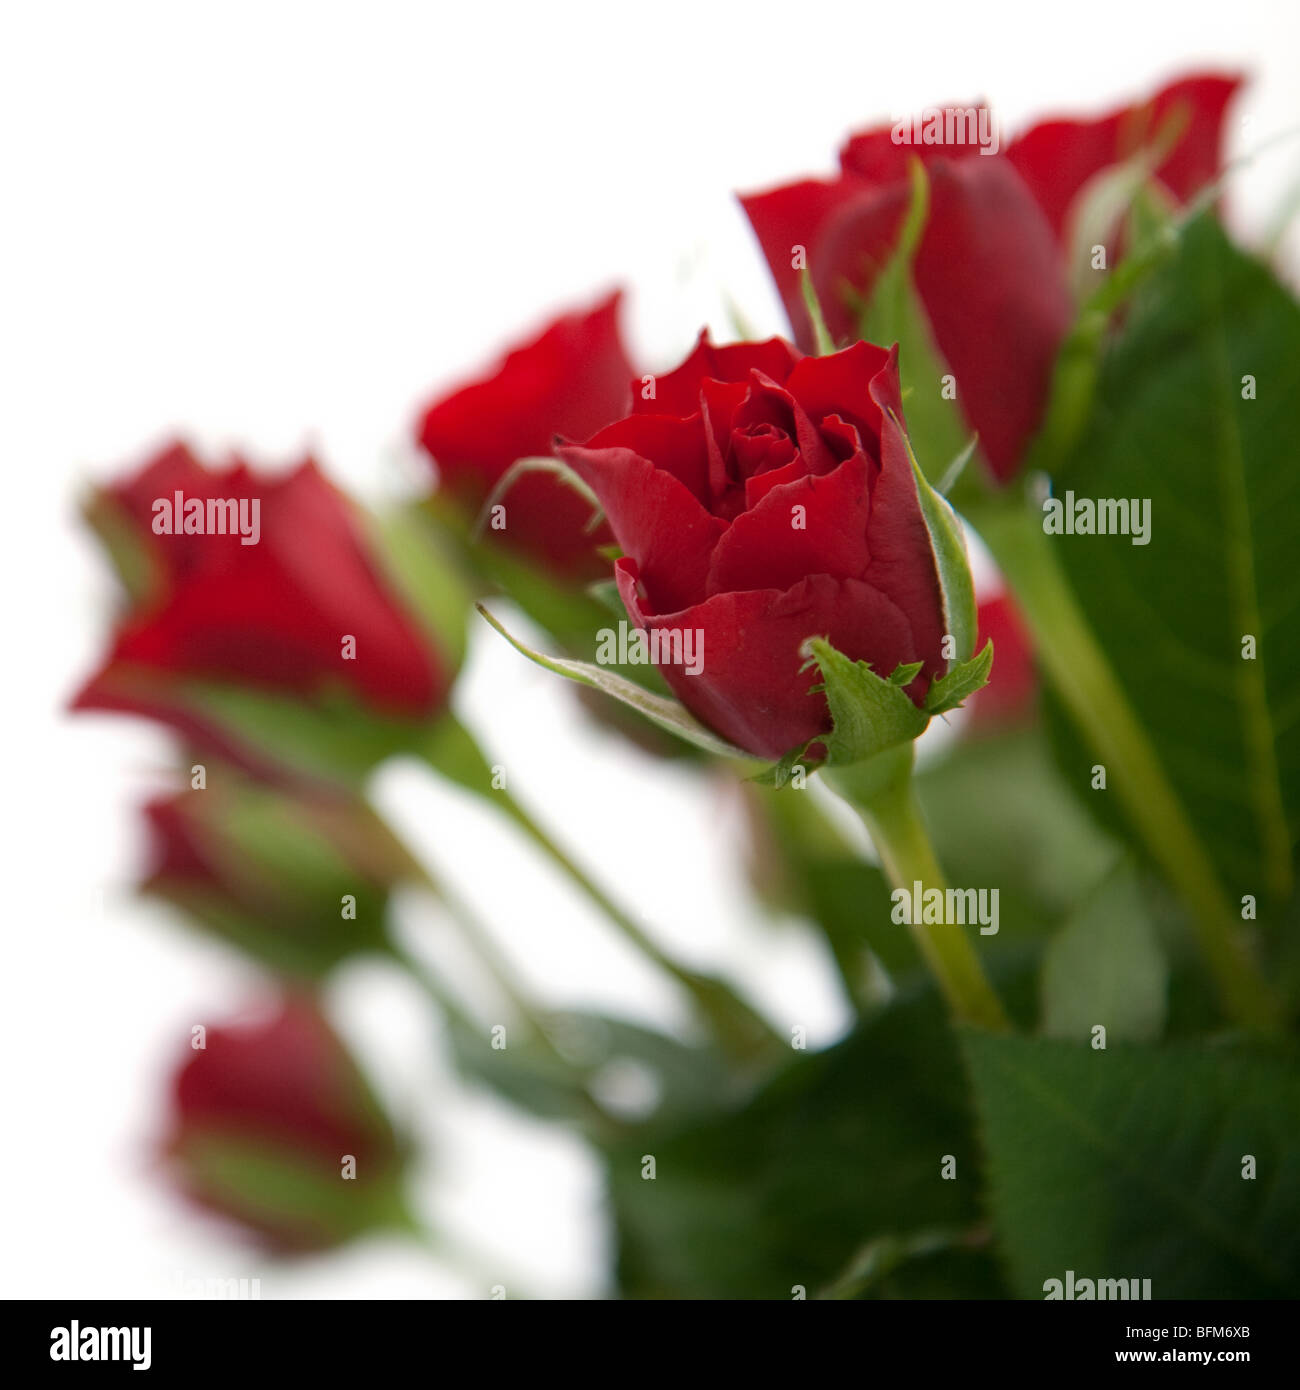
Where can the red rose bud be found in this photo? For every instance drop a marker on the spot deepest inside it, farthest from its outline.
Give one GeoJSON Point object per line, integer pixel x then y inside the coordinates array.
{"type": "Point", "coordinates": [265, 600]}
{"type": "Point", "coordinates": [1009, 697]}
{"type": "Point", "coordinates": [1057, 158]}
{"type": "Point", "coordinates": [571, 380]}
{"type": "Point", "coordinates": [761, 498]}
{"type": "Point", "coordinates": [989, 268]}
{"type": "Point", "coordinates": [274, 1127]}
{"type": "Point", "coordinates": [299, 882]}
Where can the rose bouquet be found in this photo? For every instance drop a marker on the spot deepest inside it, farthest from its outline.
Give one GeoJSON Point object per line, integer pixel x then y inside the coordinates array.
{"type": "Point", "coordinates": [1067, 939]}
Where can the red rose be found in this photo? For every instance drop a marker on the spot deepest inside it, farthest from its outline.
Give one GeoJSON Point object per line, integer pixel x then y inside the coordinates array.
{"type": "Point", "coordinates": [761, 498]}
{"type": "Point", "coordinates": [264, 1119]}
{"type": "Point", "coordinates": [1058, 157]}
{"type": "Point", "coordinates": [257, 580]}
{"type": "Point", "coordinates": [269, 869]}
{"type": "Point", "coordinates": [570, 381]}
{"type": "Point", "coordinates": [989, 270]}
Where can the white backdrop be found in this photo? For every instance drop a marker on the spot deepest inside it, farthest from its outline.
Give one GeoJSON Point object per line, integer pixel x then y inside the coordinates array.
{"type": "Point", "coordinates": [282, 225]}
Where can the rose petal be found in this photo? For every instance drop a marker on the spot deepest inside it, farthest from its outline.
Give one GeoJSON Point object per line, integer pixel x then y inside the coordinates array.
{"type": "Point", "coordinates": [991, 280]}
{"type": "Point", "coordinates": [752, 688]}
{"type": "Point", "coordinates": [764, 549]}
{"type": "Point", "coordinates": [1056, 158]}
{"type": "Point", "coordinates": [655, 518]}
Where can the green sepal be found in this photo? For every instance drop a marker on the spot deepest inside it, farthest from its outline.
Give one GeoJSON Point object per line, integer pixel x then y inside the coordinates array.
{"type": "Point", "coordinates": [869, 714]}
{"type": "Point", "coordinates": [416, 560]}
{"type": "Point", "coordinates": [554, 467]}
{"type": "Point", "coordinates": [822, 339]}
{"type": "Point", "coordinates": [962, 680]}
{"type": "Point", "coordinates": [948, 542]}
{"type": "Point", "coordinates": [663, 710]}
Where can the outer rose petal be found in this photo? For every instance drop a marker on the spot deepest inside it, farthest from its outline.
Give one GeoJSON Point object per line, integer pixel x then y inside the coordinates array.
{"type": "Point", "coordinates": [876, 156]}
{"type": "Point", "coordinates": [275, 613]}
{"type": "Point", "coordinates": [571, 380]}
{"type": "Point", "coordinates": [752, 690]}
{"type": "Point", "coordinates": [799, 215]}
{"type": "Point", "coordinates": [1056, 158]}
{"type": "Point", "coordinates": [678, 392]}
{"type": "Point", "coordinates": [676, 445]}
{"type": "Point", "coordinates": [990, 277]}
{"type": "Point", "coordinates": [654, 517]}
{"type": "Point", "coordinates": [902, 554]}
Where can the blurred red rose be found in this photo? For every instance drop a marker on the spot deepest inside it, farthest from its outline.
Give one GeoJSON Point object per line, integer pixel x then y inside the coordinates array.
{"type": "Point", "coordinates": [1056, 158]}
{"type": "Point", "coordinates": [989, 270]}
{"type": "Point", "coordinates": [264, 1119]}
{"type": "Point", "coordinates": [571, 380]}
{"type": "Point", "coordinates": [269, 869]}
{"type": "Point", "coordinates": [1009, 696]}
{"type": "Point", "coordinates": [266, 607]}
{"type": "Point", "coordinates": [763, 497]}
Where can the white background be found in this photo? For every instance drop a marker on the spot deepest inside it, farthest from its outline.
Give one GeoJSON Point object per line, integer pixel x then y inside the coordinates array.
{"type": "Point", "coordinates": [279, 225]}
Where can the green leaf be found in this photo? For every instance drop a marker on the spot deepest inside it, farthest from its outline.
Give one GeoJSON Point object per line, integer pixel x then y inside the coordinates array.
{"type": "Point", "coordinates": [662, 710]}
{"type": "Point", "coordinates": [1106, 967]}
{"type": "Point", "coordinates": [844, 1147]}
{"type": "Point", "coordinates": [945, 1263]}
{"type": "Point", "coordinates": [962, 681]}
{"type": "Point", "coordinates": [869, 714]}
{"type": "Point", "coordinates": [1171, 426]}
{"type": "Point", "coordinates": [1128, 1163]}
{"type": "Point", "coordinates": [685, 1080]}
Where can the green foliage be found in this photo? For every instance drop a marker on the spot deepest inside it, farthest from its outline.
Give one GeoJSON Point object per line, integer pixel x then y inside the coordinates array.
{"type": "Point", "coordinates": [843, 1148]}
{"type": "Point", "coordinates": [1173, 422]}
{"type": "Point", "coordinates": [1106, 966]}
{"type": "Point", "coordinates": [1128, 1163]}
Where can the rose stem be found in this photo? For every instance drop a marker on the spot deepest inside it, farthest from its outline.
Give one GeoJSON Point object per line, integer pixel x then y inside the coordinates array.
{"type": "Point", "coordinates": [1082, 676]}
{"type": "Point", "coordinates": [453, 753]}
{"type": "Point", "coordinates": [599, 1123]}
{"type": "Point", "coordinates": [881, 791]}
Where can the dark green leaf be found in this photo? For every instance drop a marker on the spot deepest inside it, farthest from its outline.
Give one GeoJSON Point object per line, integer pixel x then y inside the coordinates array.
{"type": "Point", "coordinates": [1128, 1164]}
{"type": "Point", "coordinates": [1106, 966]}
{"type": "Point", "coordinates": [844, 1147]}
{"type": "Point", "coordinates": [1171, 425]}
